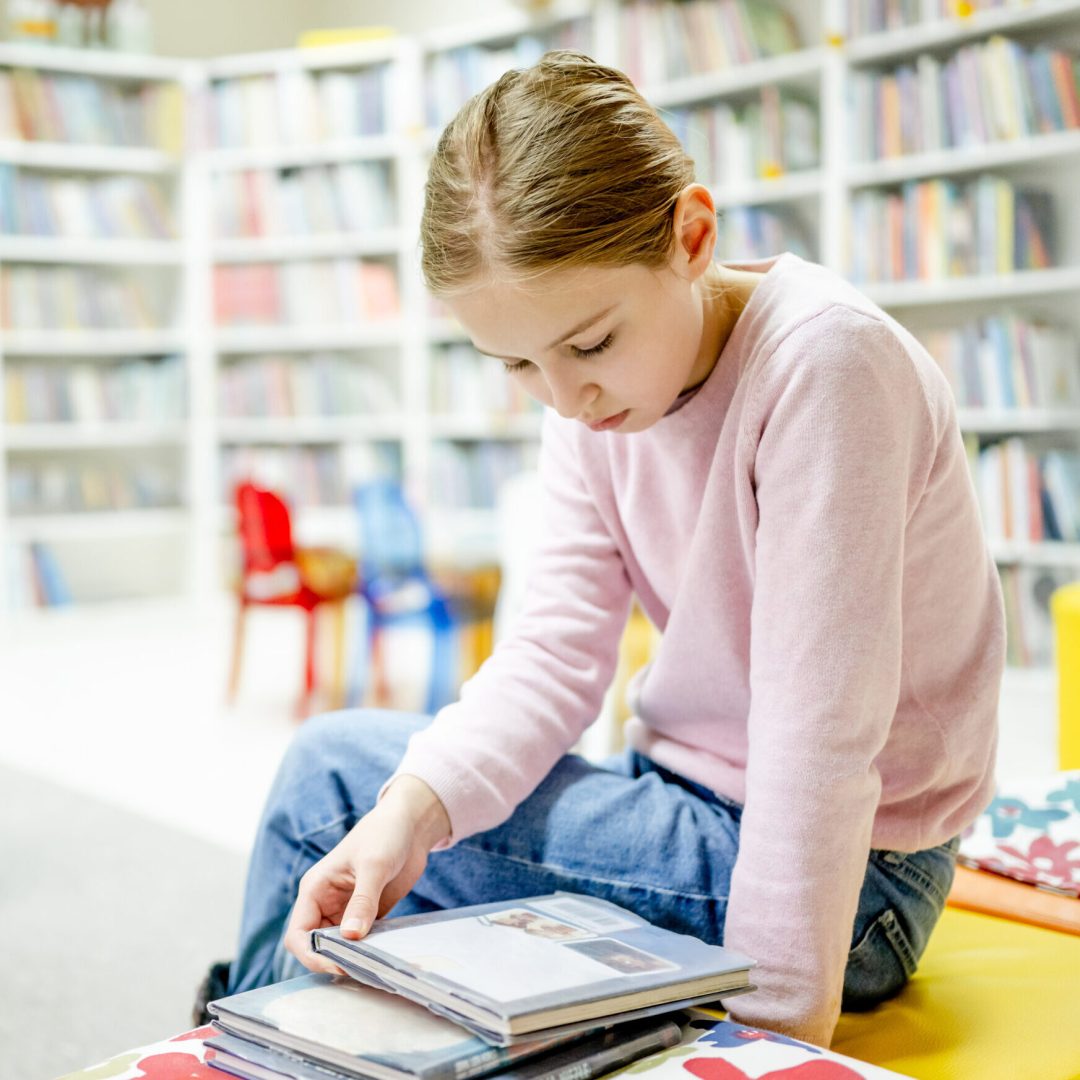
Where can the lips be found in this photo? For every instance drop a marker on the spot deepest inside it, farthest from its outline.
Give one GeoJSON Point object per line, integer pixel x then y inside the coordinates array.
{"type": "Point", "coordinates": [610, 422]}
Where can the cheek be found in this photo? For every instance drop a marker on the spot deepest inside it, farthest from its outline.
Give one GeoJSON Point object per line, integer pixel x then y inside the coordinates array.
{"type": "Point", "coordinates": [535, 385]}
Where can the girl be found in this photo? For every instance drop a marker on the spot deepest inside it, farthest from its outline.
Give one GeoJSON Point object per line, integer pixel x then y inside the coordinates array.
{"type": "Point", "coordinates": [772, 466]}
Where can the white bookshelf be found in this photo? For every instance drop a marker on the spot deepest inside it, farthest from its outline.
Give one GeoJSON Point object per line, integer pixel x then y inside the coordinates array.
{"type": "Point", "coordinates": [409, 346]}
{"type": "Point", "coordinates": [84, 536]}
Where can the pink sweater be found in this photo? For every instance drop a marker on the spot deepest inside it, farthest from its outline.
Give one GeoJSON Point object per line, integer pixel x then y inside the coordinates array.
{"type": "Point", "coordinates": [805, 534]}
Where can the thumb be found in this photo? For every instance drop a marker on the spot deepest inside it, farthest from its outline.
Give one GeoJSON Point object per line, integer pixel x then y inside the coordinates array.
{"type": "Point", "coordinates": [359, 913]}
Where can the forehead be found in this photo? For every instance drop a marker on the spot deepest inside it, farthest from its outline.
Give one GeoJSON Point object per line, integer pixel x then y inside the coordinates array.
{"type": "Point", "coordinates": [505, 316]}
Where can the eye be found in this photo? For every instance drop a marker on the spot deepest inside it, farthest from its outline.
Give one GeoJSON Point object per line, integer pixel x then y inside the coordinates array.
{"type": "Point", "coordinates": [520, 365]}
{"type": "Point", "coordinates": [595, 350]}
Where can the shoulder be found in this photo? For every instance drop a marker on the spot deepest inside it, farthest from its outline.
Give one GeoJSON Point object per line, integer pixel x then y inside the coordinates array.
{"type": "Point", "coordinates": [820, 343]}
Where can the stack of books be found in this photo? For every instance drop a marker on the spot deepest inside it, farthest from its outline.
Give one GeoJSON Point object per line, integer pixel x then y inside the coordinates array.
{"type": "Point", "coordinates": [551, 986]}
{"type": "Point", "coordinates": [557, 987]}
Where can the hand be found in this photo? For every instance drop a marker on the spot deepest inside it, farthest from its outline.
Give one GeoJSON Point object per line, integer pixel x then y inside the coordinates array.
{"type": "Point", "coordinates": [374, 866]}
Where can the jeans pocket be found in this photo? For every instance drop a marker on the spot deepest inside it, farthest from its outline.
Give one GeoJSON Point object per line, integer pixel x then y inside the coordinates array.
{"type": "Point", "coordinates": [879, 965]}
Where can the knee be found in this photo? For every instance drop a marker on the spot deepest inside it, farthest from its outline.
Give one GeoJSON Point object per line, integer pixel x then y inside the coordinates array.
{"type": "Point", "coordinates": [363, 745]}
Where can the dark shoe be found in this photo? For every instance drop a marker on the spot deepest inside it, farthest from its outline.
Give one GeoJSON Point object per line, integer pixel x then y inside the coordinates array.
{"type": "Point", "coordinates": [215, 985]}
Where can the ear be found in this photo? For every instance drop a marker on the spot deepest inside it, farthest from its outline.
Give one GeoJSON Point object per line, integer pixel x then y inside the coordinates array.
{"type": "Point", "coordinates": [694, 227]}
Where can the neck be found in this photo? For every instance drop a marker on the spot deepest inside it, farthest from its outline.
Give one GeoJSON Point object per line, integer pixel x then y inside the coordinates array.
{"type": "Point", "coordinates": [724, 294]}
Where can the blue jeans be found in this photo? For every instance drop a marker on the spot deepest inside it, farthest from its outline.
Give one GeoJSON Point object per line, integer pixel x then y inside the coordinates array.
{"type": "Point", "coordinates": [628, 831]}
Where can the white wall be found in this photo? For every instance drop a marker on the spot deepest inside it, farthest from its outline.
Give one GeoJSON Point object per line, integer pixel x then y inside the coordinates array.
{"type": "Point", "coordinates": [203, 28]}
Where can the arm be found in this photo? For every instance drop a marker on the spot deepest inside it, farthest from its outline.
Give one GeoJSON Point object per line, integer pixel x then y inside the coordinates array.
{"type": "Point", "coordinates": [518, 715]}
{"type": "Point", "coordinates": [845, 448]}
{"type": "Point", "coordinates": [545, 683]}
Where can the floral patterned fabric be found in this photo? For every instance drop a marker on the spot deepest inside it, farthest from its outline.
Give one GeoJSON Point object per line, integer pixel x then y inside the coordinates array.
{"type": "Point", "coordinates": [1030, 832]}
{"type": "Point", "coordinates": [182, 1057]}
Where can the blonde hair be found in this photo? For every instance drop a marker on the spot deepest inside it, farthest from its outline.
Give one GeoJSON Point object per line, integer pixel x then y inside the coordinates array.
{"type": "Point", "coordinates": [558, 166]}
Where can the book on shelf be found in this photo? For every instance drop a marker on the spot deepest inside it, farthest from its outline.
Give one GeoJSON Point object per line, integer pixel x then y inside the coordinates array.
{"type": "Point", "coordinates": [1028, 496]}
{"type": "Point", "coordinates": [469, 473]}
{"type": "Point", "coordinates": [660, 41]}
{"type": "Point", "coordinates": [1030, 629]}
{"type": "Point", "coordinates": [1008, 361]}
{"type": "Point", "coordinates": [756, 232]}
{"type": "Point", "coordinates": [932, 229]}
{"type": "Point", "coordinates": [115, 207]}
{"type": "Point", "coordinates": [315, 200]}
{"type": "Point", "coordinates": [296, 106]}
{"type": "Point", "coordinates": [60, 486]}
{"type": "Point", "coordinates": [82, 298]}
{"type": "Point", "coordinates": [452, 76]}
{"type": "Point", "coordinates": [987, 92]}
{"type": "Point", "coordinates": [90, 393]}
{"type": "Point", "coordinates": [317, 293]}
{"type": "Point", "coordinates": [538, 966]}
{"type": "Point", "coordinates": [316, 385]}
{"type": "Point", "coordinates": [309, 1025]}
{"type": "Point", "coordinates": [37, 106]}
{"type": "Point", "coordinates": [774, 136]}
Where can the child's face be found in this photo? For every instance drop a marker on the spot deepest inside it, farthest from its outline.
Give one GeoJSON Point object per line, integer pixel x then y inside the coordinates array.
{"type": "Point", "coordinates": [612, 347]}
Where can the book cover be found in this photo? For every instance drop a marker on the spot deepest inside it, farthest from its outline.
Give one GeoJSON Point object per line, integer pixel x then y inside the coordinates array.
{"type": "Point", "coordinates": [546, 963]}
{"type": "Point", "coordinates": [575, 1059]}
{"type": "Point", "coordinates": [337, 1023]}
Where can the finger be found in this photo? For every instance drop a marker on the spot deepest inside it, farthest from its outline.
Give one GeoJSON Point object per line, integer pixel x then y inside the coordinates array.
{"type": "Point", "coordinates": [306, 916]}
{"type": "Point", "coordinates": [360, 912]}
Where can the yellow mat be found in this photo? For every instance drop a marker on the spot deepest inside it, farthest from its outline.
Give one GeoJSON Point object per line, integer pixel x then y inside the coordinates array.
{"type": "Point", "coordinates": [992, 1000]}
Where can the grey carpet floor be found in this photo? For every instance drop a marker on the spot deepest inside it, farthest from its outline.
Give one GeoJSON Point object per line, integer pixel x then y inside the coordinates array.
{"type": "Point", "coordinates": [107, 923]}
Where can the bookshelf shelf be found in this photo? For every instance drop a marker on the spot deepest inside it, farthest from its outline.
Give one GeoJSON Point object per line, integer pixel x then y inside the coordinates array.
{"type": "Point", "coordinates": [361, 148]}
{"type": "Point", "coordinates": [106, 64]}
{"type": "Point", "coordinates": [1018, 421]}
{"type": "Point", "coordinates": [503, 28]}
{"type": "Point", "coordinates": [72, 436]}
{"type": "Point", "coordinates": [75, 158]}
{"type": "Point", "coordinates": [1036, 149]}
{"type": "Point", "coordinates": [788, 188]}
{"type": "Point", "coordinates": [1053, 553]}
{"type": "Point", "coordinates": [94, 526]}
{"type": "Point", "coordinates": [276, 61]}
{"type": "Point", "coordinates": [945, 33]}
{"type": "Point", "coordinates": [58, 249]}
{"type": "Point", "coordinates": [316, 429]}
{"type": "Point", "coordinates": [469, 428]}
{"type": "Point", "coordinates": [282, 248]}
{"type": "Point", "coordinates": [802, 68]}
{"type": "Point", "coordinates": [104, 343]}
{"type": "Point", "coordinates": [308, 338]}
{"type": "Point", "coordinates": [1027, 283]}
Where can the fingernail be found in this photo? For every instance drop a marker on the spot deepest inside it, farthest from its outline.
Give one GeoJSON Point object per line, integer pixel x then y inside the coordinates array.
{"type": "Point", "coordinates": [352, 926]}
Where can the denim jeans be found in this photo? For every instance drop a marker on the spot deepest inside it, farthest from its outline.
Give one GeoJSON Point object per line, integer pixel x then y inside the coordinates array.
{"type": "Point", "coordinates": [626, 830]}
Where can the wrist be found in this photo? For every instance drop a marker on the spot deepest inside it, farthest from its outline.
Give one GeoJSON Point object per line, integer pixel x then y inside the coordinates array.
{"type": "Point", "coordinates": [413, 797]}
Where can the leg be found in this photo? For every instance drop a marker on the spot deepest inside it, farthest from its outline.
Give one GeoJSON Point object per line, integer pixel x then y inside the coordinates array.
{"type": "Point", "coordinates": [237, 651]}
{"type": "Point", "coordinates": [635, 837]}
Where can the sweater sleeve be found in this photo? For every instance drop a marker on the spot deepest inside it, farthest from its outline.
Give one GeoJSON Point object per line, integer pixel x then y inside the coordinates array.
{"type": "Point", "coordinates": [845, 443]}
{"type": "Point", "coordinates": [545, 683]}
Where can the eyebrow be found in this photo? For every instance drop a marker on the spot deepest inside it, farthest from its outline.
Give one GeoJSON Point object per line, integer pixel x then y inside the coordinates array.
{"type": "Point", "coordinates": [581, 326]}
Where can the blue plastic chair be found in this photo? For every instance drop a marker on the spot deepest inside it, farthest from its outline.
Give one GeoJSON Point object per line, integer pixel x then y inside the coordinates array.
{"type": "Point", "coordinates": [396, 589]}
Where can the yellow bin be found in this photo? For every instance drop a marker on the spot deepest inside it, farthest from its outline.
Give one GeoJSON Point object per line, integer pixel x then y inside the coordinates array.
{"type": "Point", "coordinates": [1065, 605]}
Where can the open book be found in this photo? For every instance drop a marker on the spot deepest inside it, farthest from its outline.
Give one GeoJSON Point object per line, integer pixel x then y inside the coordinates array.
{"type": "Point", "coordinates": [545, 965]}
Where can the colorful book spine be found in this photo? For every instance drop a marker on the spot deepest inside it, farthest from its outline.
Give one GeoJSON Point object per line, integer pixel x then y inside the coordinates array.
{"type": "Point", "coordinates": [988, 92]}
{"type": "Point", "coordinates": [318, 385]}
{"type": "Point", "coordinates": [755, 232]}
{"type": "Point", "coordinates": [463, 383]}
{"type": "Point", "coordinates": [83, 298]}
{"type": "Point", "coordinates": [697, 37]}
{"type": "Point", "coordinates": [92, 393]}
{"type": "Point", "coordinates": [67, 486]}
{"type": "Point", "coordinates": [984, 226]}
{"type": "Point", "coordinates": [452, 76]}
{"type": "Point", "coordinates": [297, 107]}
{"type": "Point", "coordinates": [763, 139]}
{"type": "Point", "coordinates": [63, 108]}
{"type": "Point", "coordinates": [1008, 361]}
{"type": "Point", "coordinates": [316, 292]}
{"type": "Point", "coordinates": [310, 476]}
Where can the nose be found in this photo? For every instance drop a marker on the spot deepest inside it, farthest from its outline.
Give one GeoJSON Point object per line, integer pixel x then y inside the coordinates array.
{"type": "Point", "coordinates": [571, 394]}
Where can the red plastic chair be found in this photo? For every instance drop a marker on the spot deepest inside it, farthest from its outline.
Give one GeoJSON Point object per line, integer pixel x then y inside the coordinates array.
{"type": "Point", "coordinates": [275, 573]}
